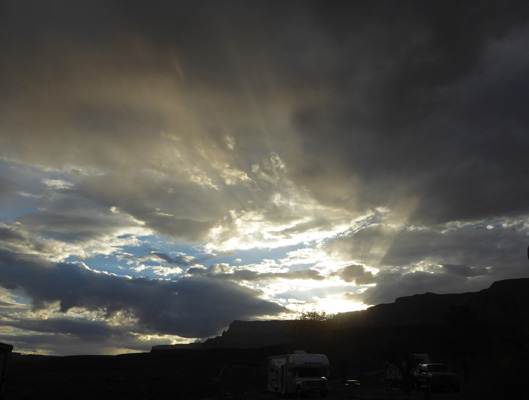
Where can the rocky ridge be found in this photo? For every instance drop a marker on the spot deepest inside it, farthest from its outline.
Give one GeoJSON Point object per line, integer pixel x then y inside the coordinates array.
{"type": "Point", "coordinates": [504, 303]}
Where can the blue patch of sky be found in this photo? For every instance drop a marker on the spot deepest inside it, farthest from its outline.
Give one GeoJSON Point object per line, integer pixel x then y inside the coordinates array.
{"type": "Point", "coordinates": [157, 244]}
{"type": "Point", "coordinates": [154, 244]}
{"type": "Point", "coordinates": [20, 297]}
{"type": "Point", "coordinates": [118, 262]}
{"type": "Point", "coordinates": [173, 249]}
{"type": "Point", "coordinates": [258, 255]}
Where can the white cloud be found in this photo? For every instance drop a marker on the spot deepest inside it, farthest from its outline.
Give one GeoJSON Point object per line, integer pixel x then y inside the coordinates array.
{"type": "Point", "coordinates": [160, 270]}
{"type": "Point", "coordinates": [232, 175]}
{"type": "Point", "coordinates": [57, 184]}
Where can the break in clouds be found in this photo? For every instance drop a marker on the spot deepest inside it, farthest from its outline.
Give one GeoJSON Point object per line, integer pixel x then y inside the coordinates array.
{"type": "Point", "coordinates": [169, 167]}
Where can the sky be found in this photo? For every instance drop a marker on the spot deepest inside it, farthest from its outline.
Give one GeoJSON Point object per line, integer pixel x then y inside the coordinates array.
{"type": "Point", "coordinates": [168, 167]}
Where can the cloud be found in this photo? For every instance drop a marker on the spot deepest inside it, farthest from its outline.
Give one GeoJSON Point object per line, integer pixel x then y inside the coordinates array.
{"type": "Point", "coordinates": [465, 270]}
{"type": "Point", "coordinates": [402, 122]}
{"type": "Point", "coordinates": [181, 259]}
{"type": "Point", "coordinates": [222, 271]}
{"type": "Point", "coordinates": [177, 260]}
{"type": "Point", "coordinates": [365, 136]}
{"type": "Point", "coordinates": [70, 226]}
{"type": "Point", "coordinates": [56, 343]}
{"type": "Point", "coordinates": [391, 286]}
{"type": "Point", "coordinates": [82, 329]}
{"type": "Point", "coordinates": [160, 270]}
{"type": "Point", "coordinates": [404, 129]}
{"type": "Point", "coordinates": [13, 237]}
{"type": "Point", "coordinates": [7, 190]}
{"type": "Point", "coordinates": [190, 307]}
{"type": "Point", "coordinates": [356, 273]}
{"type": "Point", "coordinates": [494, 243]}
{"type": "Point", "coordinates": [441, 258]}
{"type": "Point", "coordinates": [102, 239]}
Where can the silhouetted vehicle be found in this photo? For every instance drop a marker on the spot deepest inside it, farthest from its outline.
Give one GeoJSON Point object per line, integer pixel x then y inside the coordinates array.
{"type": "Point", "coordinates": [299, 373]}
{"type": "Point", "coordinates": [399, 371]}
{"type": "Point", "coordinates": [436, 376]}
{"type": "Point", "coordinates": [5, 354]}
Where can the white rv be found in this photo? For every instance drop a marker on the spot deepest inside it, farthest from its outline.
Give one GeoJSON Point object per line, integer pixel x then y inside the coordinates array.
{"type": "Point", "coordinates": [298, 373]}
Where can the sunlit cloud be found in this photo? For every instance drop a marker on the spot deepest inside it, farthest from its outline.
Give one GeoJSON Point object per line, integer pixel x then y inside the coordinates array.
{"type": "Point", "coordinates": [57, 184]}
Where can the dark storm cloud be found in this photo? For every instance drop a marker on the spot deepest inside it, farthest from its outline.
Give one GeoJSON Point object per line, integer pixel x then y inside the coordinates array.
{"type": "Point", "coordinates": [406, 118]}
{"type": "Point", "coordinates": [189, 307]}
{"type": "Point", "coordinates": [389, 101]}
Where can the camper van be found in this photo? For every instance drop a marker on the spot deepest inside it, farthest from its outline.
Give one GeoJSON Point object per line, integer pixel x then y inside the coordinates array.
{"type": "Point", "coordinates": [299, 373]}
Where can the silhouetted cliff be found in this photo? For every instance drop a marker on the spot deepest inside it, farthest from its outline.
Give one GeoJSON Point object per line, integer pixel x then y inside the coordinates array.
{"type": "Point", "coordinates": [504, 303]}
{"type": "Point", "coordinates": [252, 334]}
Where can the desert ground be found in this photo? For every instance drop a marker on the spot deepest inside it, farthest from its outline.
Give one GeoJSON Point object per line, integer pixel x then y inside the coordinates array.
{"type": "Point", "coordinates": [201, 374]}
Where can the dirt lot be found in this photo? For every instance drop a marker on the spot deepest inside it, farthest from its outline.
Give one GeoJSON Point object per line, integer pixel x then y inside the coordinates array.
{"type": "Point", "coordinates": [212, 374]}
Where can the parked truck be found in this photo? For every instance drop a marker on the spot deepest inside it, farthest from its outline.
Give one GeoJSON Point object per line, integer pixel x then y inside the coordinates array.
{"type": "Point", "coordinates": [300, 373]}
{"type": "Point", "coordinates": [435, 376]}
{"type": "Point", "coordinates": [401, 371]}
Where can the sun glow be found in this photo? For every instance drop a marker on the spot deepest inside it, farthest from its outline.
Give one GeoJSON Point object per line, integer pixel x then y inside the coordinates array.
{"type": "Point", "coordinates": [329, 305]}
{"type": "Point", "coordinates": [335, 305]}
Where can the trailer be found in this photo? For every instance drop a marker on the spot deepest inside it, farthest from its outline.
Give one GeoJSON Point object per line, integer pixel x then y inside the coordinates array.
{"type": "Point", "coordinates": [300, 373]}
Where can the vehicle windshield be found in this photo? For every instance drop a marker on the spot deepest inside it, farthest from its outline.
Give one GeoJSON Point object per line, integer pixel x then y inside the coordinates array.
{"type": "Point", "coordinates": [437, 368]}
{"type": "Point", "coordinates": [310, 372]}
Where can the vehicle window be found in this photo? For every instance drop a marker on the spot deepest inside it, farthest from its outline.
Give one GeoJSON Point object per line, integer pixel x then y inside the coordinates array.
{"type": "Point", "coordinates": [437, 368]}
{"type": "Point", "coordinates": [309, 372]}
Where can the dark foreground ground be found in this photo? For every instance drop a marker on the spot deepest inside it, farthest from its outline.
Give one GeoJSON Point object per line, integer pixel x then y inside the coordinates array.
{"type": "Point", "coordinates": [218, 374]}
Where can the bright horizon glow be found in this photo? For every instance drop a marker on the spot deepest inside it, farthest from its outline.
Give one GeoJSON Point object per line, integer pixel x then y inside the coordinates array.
{"type": "Point", "coordinates": [332, 305]}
